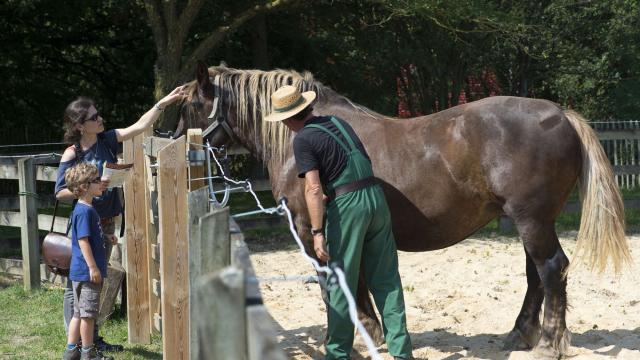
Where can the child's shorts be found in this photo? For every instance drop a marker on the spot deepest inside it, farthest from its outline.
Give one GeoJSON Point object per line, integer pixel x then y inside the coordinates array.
{"type": "Point", "coordinates": [86, 299]}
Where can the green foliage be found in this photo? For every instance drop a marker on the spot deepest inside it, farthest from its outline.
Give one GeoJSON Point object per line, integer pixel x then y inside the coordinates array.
{"type": "Point", "coordinates": [31, 326]}
{"type": "Point", "coordinates": [582, 54]}
{"type": "Point", "coordinates": [59, 51]}
{"type": "Point", "coordinates": [595, 61]}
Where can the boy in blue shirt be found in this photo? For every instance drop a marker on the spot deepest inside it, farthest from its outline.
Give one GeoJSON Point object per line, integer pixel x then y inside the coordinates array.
{"type": "Point", "coordinates": [88, 262]}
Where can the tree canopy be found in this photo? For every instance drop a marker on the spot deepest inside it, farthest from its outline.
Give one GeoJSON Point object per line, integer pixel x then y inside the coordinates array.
{"type": "Point", "coordinates": [399, 57]}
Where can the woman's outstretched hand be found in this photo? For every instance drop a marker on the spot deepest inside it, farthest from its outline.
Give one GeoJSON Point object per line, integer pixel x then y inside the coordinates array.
{"type": "Point", "coordinates": [177, 94]}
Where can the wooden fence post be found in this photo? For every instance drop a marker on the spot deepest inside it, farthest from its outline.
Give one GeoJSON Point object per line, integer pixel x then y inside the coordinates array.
{"type": "Point", "coordinates": [139, 324]}
{"type": "Point", "coordinates": [262, 337]}
{"type": "Point", "coordinates": [194, 137]}
{"type": "Point", "coordinates": [216, 243]}
{"type": "Point", "coordinates": [29, 224]}
{"type": "Point", "coordinates": [222, 321]}
{"type": "Point", "coordinates": [174, 252]}
{"type": "Point", "coordinates": [198, 206]}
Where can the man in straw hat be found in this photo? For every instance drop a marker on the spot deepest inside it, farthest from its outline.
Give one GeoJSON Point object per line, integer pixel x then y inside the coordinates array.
{"type": "Point", "coordinates": [330, 157]}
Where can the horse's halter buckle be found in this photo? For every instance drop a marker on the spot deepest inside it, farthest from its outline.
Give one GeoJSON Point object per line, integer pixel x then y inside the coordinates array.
{"type": "Point", "coordinates": [220, 119]}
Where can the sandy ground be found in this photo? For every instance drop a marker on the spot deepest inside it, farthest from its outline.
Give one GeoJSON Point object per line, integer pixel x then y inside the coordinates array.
{"type": "Point", "coordinates": [462, 301]}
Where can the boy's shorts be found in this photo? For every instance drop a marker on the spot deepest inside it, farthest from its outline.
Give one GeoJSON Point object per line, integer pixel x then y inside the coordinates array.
{"type": "Point", "coordinates": [86, 299]}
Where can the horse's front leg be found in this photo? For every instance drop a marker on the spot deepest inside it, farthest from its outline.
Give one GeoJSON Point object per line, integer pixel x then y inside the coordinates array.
{"type": "Point", "coordinates": [366, 313]}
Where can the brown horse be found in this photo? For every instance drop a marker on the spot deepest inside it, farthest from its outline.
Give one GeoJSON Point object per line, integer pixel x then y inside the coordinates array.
{"type": "Point", "coordinates": [446, 175]}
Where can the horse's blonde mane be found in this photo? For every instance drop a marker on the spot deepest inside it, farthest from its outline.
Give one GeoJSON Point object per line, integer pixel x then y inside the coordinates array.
{"type": "Point", "coordinates": [251, 91]}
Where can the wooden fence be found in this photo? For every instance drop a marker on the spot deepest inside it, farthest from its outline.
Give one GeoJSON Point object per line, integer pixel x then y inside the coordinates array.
{"type": "Point", "coordinates": [621, 142]}
{"type": "Point", "coordinates": [189, 275]}
{"type": "Point", "coordinates": [177, 247]}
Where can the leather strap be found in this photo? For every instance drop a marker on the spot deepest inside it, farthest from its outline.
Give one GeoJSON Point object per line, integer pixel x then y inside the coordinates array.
{"type": "Point", "coordinates": [352, 186]}
{"type": "Point", "coordinates": [55, 208]}
{"type": "Point", "coordinates": [53, 221]}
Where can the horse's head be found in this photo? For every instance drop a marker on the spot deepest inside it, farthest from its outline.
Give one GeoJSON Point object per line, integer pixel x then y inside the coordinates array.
{"type": "Point", "coordinates": [207, 107]}
{"type": "Point", "coordinates": [229, 105]}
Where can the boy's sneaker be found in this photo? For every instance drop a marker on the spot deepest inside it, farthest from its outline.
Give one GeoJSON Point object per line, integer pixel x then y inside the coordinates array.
{"type": "Point", "coordinates": [73, 354]}
{"type": "Point", "coordinates": [94, 354]}
{"type": "Point", "coordinates": [102, 345]}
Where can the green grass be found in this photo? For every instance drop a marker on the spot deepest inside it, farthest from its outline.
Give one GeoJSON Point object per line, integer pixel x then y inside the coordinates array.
{"type": "Point", "coordinates": [31, 327]}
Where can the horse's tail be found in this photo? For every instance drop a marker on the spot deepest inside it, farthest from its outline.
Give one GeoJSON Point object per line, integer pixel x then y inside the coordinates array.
{"type": "Point", "coordinates": [601, 235]}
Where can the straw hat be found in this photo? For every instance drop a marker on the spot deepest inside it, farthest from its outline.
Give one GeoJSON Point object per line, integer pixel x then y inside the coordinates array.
{"type": "Point", "coordinates": [288, 101]}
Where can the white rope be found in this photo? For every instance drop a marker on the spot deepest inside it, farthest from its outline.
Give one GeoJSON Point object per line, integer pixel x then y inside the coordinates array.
{"type": "Point", "coordinates": [282, 209]}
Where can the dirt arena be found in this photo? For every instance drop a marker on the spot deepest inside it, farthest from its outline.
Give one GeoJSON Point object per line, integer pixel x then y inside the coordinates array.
{"type": "Point", "coordinates": [462, 301]}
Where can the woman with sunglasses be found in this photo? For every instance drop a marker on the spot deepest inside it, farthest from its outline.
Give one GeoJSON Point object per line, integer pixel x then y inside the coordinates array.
{"type": "Point", "coordinates": [90, 142]}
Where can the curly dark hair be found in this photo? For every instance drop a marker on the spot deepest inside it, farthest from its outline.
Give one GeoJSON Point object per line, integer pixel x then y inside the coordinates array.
{"type": "Point", "coordinates": [78, 177]}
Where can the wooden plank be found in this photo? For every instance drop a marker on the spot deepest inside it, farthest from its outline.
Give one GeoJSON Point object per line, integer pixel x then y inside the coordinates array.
{"type": "Point", "coordinates": [52, 158]}
{"type": "Point", "coordinates": [262, 336]}
{"type": "Point", "coordinates": [136, 244]}
{"type": "Point", "coordinates": [174, 255]}
{"type": "Point", "coordinates": [12, 218]}
{"type": "Point", "coordinates": [43, 173]}
{"type": "Point", "coordinates": [194, 137]}
{"type": "Point", "coordinates": [156, 288]}
{"type": "Point", "coordinates": [157, 322]}
{"type": "Point", "coordinates": [151, 198]}
{"type": "Point", "coordinates": [29, 224]}
{"type": "Point", "coordinates": [618, 134]}
{"type": "Point", "coordinates": [216, 242]}
{"type": "Point", "coordinates": [222, 326]}
{"type": "Point", "coordinates": [13, 267]}
{"type": "Point", "coordinates": [153, 145]}
{"type": "Point", "coordinates": [109, 293]}
{"type": "Point", "coordinates": [13, 202]}
{"type": "Point", "coordinates": [198, 206]}
{"type": "Point", "coordinates": [240, 258]}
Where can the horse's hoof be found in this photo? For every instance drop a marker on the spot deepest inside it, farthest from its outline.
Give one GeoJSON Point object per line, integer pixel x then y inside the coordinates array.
{"type": "Point", "coordinates": [374, 330]}
{"type": "Point", "coordinates": [544, 351]}
{"type": "Point", "coordinates": [515, 342]}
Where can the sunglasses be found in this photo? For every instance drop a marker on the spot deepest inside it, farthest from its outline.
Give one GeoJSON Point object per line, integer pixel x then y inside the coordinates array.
{"type": "Point", "coordinates": [93, 118]}
{"type": "Point", "coordinates": [96, 180]}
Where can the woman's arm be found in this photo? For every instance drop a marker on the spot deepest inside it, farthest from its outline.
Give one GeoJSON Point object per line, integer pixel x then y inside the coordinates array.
{"type": "Point", "coordinates": [65, 194]}
{"type": "Point", "coordinates": [150, 116]}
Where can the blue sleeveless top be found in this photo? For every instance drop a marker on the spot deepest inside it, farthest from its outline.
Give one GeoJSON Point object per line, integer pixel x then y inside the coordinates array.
{"type": "Point", "coordinates": [104, 150]}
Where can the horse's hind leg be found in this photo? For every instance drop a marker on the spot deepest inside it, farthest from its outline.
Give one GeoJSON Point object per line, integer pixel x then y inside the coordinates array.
{"type": "Point", "coordinates": [526, 332]}
{"type": "Point", "coordinates": [542, 246]}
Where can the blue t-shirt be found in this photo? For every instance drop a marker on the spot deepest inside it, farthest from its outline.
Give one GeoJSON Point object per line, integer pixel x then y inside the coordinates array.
{"type": "Point", "coordinates": [104, 150]}
{"type": "Point", "coordinates": [85, 222]}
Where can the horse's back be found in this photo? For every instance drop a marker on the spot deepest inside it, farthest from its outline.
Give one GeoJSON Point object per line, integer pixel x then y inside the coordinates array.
{"type": "Point", "coordinates": [453, 171]}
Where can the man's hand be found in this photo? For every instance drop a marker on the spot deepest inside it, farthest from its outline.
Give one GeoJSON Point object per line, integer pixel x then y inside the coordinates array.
{"type": "Point", "coordinates": [112, 239]}
{"type": "Point", "coordinates": [320, 247]}
{"type": "Point", "coordinates": [94, 274]}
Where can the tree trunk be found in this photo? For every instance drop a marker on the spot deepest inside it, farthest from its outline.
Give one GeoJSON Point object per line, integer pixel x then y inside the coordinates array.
{"type": "Point", "coordinates": [165, 81]}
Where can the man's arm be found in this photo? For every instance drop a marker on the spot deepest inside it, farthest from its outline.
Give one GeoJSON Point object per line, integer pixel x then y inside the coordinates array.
{"type": "Point", "coordinates": [314, 198]}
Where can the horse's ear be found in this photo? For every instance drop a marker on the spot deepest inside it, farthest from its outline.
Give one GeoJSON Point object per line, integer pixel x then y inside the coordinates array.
{"type": "Point", "coordinates": [223, 64]}
{"type": "Point", "coordinates": [202, 74]}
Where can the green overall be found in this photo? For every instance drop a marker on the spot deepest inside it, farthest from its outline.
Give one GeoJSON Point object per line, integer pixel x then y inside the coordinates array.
{"type": "Point", "coordinates": [358, 228]}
